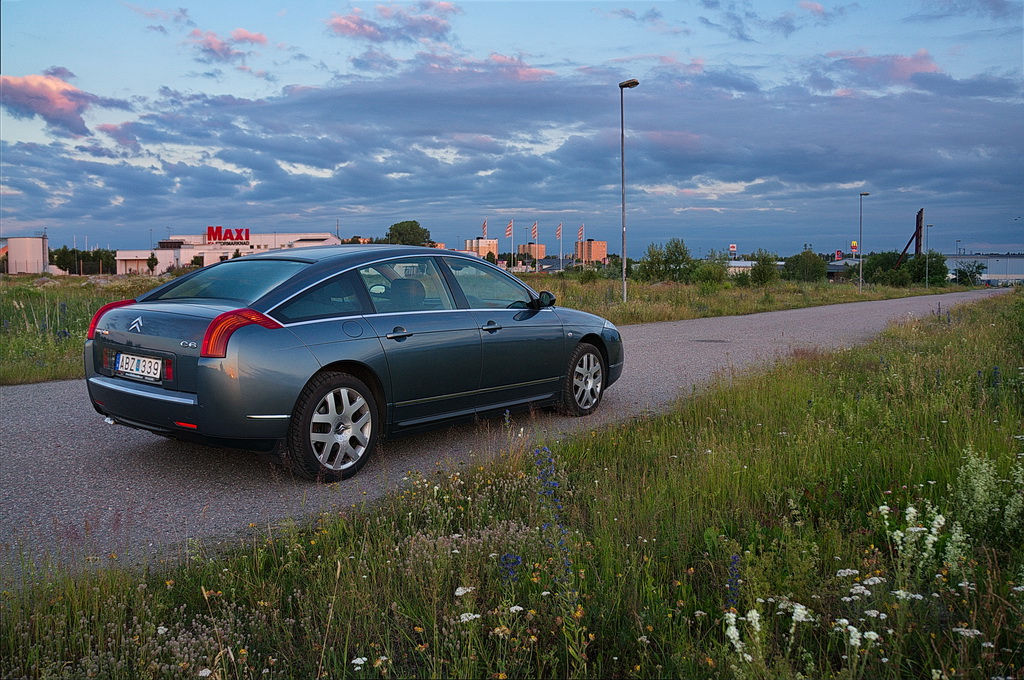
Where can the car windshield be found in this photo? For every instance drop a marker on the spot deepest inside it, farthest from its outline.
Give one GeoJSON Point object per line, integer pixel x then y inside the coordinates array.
{"type": "Point", "coordinates": [240, 279]}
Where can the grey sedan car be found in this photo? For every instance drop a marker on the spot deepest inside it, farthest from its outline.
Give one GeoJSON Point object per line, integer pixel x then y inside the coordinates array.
{"type": "Point", "coordinates": [313, 354]}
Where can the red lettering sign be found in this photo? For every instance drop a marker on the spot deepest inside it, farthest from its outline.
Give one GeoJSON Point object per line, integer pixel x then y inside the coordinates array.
{"type": "Point", "coordinates": [219, 234]}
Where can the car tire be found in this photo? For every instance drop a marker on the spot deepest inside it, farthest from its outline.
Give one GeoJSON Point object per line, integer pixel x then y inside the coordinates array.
{"type": "Point", "coordinates": [333, 429]}
{"type": "Point", "coordinates": [584, 383]}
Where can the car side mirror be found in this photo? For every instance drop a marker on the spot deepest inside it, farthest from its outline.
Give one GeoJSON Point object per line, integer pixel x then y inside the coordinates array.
{"type": "Point", "coordinates": [547, 299]}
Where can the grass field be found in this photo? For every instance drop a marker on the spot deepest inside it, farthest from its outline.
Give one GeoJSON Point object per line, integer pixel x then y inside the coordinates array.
{"type": "Point", "coordinates": [848, 515]}
{"type": "Point", "coordinates": [43, 327]}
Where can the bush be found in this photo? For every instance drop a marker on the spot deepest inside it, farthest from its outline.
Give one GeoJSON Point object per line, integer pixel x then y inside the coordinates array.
{"type": "Point", "coordinates": [806, 266]}
{"type": "Point", "coordinates": [765, 270]}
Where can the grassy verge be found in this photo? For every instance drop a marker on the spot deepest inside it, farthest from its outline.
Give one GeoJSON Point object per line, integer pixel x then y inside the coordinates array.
{"type": "Point", "coordinates": [850, 515]}
{"type": "Point", "coordinates": [43, 328]}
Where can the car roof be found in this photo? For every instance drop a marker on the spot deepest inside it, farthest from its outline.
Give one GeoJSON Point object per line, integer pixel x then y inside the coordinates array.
{"type": "Point", "coordinates": [346, 255]}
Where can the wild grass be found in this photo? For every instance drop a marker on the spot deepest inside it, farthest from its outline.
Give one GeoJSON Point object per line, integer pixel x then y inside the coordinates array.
{"type": "Point", "coordinates": [43, 327]}
{"type": "Point", "coordinates": [648, 303]}
{"type": "Point", "coordinates": [848, 515]}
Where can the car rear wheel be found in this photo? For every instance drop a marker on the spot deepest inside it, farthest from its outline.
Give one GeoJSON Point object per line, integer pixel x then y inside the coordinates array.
{"type": "Point", "coordinates": [334, 428]}
{"type": "Point", "coordinates": [584, 381]}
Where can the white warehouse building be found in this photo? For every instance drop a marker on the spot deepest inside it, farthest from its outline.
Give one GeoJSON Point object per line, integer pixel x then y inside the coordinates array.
{"type": "Point", "coordinates": [218, 243]}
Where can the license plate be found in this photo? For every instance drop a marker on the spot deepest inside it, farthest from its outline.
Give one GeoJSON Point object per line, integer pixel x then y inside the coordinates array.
{"type": "Point", "coordinates": [139, 367]}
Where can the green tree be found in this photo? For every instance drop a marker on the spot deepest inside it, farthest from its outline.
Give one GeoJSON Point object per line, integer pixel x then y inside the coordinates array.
{"type": "Point", "coordinates": [409, 233]}
{"type": "Point", "coordinates": [931, 263]}
{"type": "Point", "coordinates": [65, 258]}
{"type": "Point", "coordinates": [491, 257]}
{"type": "Point", "coordinates": [968, 272]}
{"type": "Point", "coordinates": [152, 262]}
{"type": "Point", "coordinates": [671, 262]}
{"type": "Point", "coordinates": [806, 266]}
{"type": "Point", "coordinates": [884, 261]}
{"type": "Point", "coordinates": [765, 270]}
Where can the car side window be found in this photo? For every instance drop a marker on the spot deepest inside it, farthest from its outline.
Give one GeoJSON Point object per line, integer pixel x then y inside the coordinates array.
{"type": "Point", "coordinates": [486, 288]}
{"type": "Point", "coordinates": [338, 296]}
{"type": "Point", "coordinates": [406, 285]}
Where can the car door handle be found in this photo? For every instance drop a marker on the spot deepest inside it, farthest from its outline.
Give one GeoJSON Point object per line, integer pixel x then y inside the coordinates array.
{"type": "Point", "coordinates": [398, 333]}
{"type": "Point", "coordinates": [491, 327]}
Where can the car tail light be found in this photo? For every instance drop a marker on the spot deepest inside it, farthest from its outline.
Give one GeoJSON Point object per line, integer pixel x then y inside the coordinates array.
{"type": "Point", "coordinates": [215, 342]}
{"type": "Point", "coordinates": [168, 369]}
{"type": "Point", "coordinates": [103, 310]}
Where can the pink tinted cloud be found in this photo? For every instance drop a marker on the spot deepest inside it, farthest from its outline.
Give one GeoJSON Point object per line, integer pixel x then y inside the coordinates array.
{"type": "Point", "coordinates": [213, 48]}
{"type": "Point", "coordinates": [396, 23]}
{"type": "Point", "coordinates": [892, 69]}
{"type": "Point", "coordinates": [517, 69]}
{"type": "Point", "coordinates": [121, 134]}
{"type": "Point", "coordinates": [59, 103]}
{"type": "Point", "coordinates": [354, 25]}
{"type": "Point", "coordinates": [240, 35]}
{"type": "Point", "coordinates": [814, 8]}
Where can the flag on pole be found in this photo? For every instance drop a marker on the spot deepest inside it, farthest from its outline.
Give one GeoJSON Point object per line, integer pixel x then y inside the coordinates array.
{"type": "Point", "coordinates": [558, 232]}
{"type": "Point", "coordinates": [533, 231]}
{"type": "Point", "coordinates": [579, 234]}
{"type": "Point", "coordinates": [485, 227]}
{"type": "Point", "coordinates": [508, 230]}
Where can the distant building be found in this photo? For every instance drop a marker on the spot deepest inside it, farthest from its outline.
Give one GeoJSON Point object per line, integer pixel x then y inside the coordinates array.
{"type": "Point", "coordinates": [592, 251]}
{"type": "Point", "coordinates": [218, 243]}
{"type": "Point", "coordinates": [482, 246]}
{"type": "Point", "coordinates": [534, 250]}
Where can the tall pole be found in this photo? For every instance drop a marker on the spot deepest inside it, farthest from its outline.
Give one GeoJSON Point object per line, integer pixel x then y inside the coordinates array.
{"type": "Point", "coordinates": [631, 83]}
{"type": "Point", "coordinates": [860, 244]}
{"type": "Point", "coordinates": [927, 229]}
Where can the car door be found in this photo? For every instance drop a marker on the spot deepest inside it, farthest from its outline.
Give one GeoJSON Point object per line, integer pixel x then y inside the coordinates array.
{"type": "Point", "coordinates": [432, 349]}
{"type": "Point", "coordinates": [522, 347]}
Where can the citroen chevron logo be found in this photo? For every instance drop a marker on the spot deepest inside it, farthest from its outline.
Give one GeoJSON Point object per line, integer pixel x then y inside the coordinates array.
{"type": "Point", "coordinates": [136, 325]}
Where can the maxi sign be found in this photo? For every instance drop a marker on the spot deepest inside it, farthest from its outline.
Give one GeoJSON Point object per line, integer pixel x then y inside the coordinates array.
{"type": "Point", "coordinates": [227, 237]}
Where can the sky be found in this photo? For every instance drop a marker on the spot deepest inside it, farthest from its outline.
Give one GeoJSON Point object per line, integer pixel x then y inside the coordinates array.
{"type": "Point", "coordinates": [755, 123]}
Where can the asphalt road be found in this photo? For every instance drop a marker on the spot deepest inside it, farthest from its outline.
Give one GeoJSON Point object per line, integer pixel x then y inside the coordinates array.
{"type": "Point", "coordinates": [75, 491]}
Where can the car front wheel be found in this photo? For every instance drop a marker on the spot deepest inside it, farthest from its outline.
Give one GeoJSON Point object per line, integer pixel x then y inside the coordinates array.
{"type": "Point", "coordinates": [334, 426]}
{"type": "Point", "coordinates": [584, 381]}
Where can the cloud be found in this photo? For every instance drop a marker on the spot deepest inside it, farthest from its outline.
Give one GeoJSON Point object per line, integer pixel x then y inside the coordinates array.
{"type": "Point", "coordinates": [396, 24]}
{"type": "Point", "coordinates": [652, 20]}
{"type": "Point", "coordinates": [890, 69]}
{"type": "Point", "coordinates": [240, 35]}
{"type": "Point", "coordinates": [123, 135]}
{"type": "Point", "coordinates": [59, 72]}
{"type": "Point", "coordinates": [998, 10]}
{"type": "Point", "coordinates": [57, 102]}
{"type": "Point", "coordinates": [211, 48]}
{"type": "Point", "coordinates": [178, 17]}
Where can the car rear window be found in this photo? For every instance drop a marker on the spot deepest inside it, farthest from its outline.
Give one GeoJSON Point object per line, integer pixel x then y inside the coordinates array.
{"type": "Point", "coordinates": [241, 279]}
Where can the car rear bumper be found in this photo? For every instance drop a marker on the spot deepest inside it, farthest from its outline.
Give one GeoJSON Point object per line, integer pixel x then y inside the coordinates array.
{"type": "Point", "coordinates": [180, 415]}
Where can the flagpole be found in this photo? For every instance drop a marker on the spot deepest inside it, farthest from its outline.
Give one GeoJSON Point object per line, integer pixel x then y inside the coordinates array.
{"type": "Point", "coordinates": [561, 261]}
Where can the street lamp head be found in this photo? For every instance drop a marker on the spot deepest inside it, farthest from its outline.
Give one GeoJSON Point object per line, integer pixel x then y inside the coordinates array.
{"type": "Point", "coordinates": [632, 82]}
{"type": "Point", "coordinates": [864, 193]}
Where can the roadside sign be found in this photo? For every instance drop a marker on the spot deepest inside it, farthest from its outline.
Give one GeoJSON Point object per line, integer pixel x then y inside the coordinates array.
{"type": "Point", "coordinates": [853, 246]}
{"type": "Point", "coordinates": [839, 254]}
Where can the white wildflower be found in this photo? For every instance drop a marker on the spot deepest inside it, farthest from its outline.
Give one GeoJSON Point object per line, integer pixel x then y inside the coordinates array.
{"type": "Point", "coordinates": [467, 617]}
{"type": "Point", "coordinates": [463, 590]}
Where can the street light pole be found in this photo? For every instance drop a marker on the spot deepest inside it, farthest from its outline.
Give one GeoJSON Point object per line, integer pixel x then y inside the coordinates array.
{"type": "Point", "coordinates": [927, 229]}
{"type": "Point", "coordinates": [631, 83]}
{"type": "Point", "coordinates": [860, 245]}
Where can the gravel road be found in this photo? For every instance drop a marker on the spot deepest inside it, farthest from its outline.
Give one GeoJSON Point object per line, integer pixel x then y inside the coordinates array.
{"type": "Point", "coordinates": [75, 491]}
